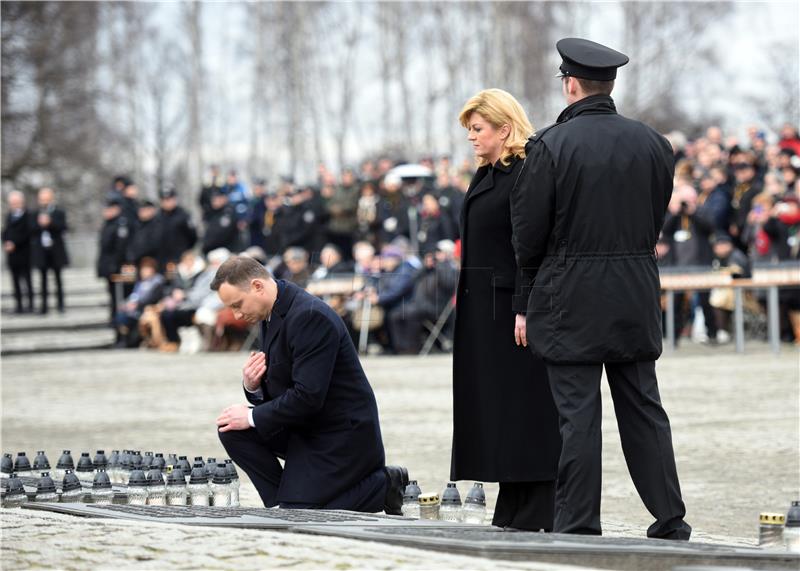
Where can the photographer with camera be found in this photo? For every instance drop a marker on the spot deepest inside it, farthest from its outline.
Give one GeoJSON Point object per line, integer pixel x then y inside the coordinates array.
{"type": "Point", "coordinates": [688, 230]}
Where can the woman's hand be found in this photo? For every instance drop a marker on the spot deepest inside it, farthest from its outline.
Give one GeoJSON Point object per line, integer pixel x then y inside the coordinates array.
{"type": "Point", "coordinates": [520, 333]}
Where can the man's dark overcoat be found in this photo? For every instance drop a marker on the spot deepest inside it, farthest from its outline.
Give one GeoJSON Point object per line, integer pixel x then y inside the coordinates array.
{"type": "Point", "coordinates": [505, 425]}
{"type": "Point", "coordinates": [58, 257]}
{"type": "Point", "coordinates": [18, 229]}
{"type": "Point", "coordinates": [588, 250]}
{"type": "Point", "coordinates": [316, 390]}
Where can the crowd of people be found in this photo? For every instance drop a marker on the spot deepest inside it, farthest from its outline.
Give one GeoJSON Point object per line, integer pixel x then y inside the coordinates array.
{"type": "Point", "coordinates": [393, 238]}
{"type": "Point", "coordinates": [389, 240]}
{"type": "Point", "coordinates": [735, 204]}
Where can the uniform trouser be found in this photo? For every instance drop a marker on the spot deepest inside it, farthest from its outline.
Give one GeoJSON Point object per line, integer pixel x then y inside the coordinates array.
{"type": "Point", "coordinates": [59, 287]}
{"type": "Point", "coordinates": [525, 505]}
{"type": "Point", "coordinates": [259, 460]}
{"type": "Point", "coordinates": [646, 443]}
{"type": "Point", "coordinates": [18, 276]}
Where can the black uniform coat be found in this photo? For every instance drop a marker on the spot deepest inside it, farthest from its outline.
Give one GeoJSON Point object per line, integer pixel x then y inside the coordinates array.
{"type": "Point", "coordinates": [505, 425]}
{"type": "Point", "coordinates": [221, 230]}
{"type": "Point", "coordinates": [58, 251]}
{"type": "Point", "coordinates": [178, 235]}
{"type": "Point", "coordinates": [587, 211]}
{"type": "Point", "coordinates": [316, 390]}
{"type": "Point", "coordinates": [18, 230]}
{"type": "Point", "coordinates": [115, 236]}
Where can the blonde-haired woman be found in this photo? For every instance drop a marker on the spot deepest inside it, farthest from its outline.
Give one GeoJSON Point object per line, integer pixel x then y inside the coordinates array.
{"type": "Point", "coordinates": [505, 425]}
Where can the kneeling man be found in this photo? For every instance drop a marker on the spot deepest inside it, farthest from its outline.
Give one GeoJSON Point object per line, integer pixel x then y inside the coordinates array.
{"type": "Point", "coordinates": [313, 406]}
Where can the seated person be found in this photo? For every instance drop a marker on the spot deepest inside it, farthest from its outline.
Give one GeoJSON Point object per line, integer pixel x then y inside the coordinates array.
{"type": "Point", "coordinates": [294, 267]}
{"type": "Point", "coordinates": [433, 292]}
{"type": "Point", "coordinates": [313, 406]}
{"type": "Point", "coordinates": [148, 290]}
{"type": "Point", "coordinates": [181, 307]}
{"type": "Point", "coordinates": [331, 263]}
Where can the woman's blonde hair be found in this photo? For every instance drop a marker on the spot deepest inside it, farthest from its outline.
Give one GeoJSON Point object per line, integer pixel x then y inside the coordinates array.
{"type": "Point", "coordinates": [499, 108]}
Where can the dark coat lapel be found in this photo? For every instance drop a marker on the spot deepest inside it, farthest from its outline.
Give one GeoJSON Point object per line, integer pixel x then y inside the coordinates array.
{"type": "Point", "coordinates": [282, 305]}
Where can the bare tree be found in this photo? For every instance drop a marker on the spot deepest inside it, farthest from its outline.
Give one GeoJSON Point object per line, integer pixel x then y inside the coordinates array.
{"type": "Point", "coordinates": [194, 84]}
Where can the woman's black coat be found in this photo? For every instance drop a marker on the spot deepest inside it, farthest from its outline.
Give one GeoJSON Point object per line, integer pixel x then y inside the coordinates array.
{"type": "Point", "coordinates": [505, 426]}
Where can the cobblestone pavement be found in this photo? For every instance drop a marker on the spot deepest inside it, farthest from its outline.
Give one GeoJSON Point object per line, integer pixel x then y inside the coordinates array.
{"type": "Point", "coordinates": [734, 419]}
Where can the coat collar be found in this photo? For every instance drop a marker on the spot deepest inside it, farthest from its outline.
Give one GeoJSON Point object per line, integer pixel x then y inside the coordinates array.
{"type": "Point", "coordinates": [592, 105]}
{"type": "Point", "coordinates": [287, 291]}
{"type": "Point", "coordinates": [485, 176]}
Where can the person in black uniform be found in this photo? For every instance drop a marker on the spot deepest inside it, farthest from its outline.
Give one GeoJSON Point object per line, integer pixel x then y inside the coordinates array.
{"type": "Point", "coordinates": [586, 213]}
{"type": "Point", "coordinates": [147, 240]}
{"type": "Point", "coordinates": [505, 425]}
{"type": "Point", "coordinates": [313, 405]}
{"type": "Point", "coordinates": [115, 236]}
{"type": "Point", "coordinates": [17, 246]}
{"type": "Point", "coordinates": [177, 230]}
{"type": "Point", "coordinates": [48, 250]}
{"type": "Point", "coordinates": [220, 225]}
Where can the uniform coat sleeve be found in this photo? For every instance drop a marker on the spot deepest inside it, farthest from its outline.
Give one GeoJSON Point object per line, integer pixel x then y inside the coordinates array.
{"type": "Point", "coordinates": [532, 213]}
{"type": "Point", "coordinates": [314, 344]}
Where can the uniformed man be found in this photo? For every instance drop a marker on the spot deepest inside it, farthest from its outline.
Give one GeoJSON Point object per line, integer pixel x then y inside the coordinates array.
{"type": "Point", "coordinates": [147, 239]}
{"type": "Point", "coordinates": [220, 225]}
{"type": "Point", "coordinates": [115, 236]}
{"type": "Point", "coordinates": [586, 214]}
{"type": "Point", "coordinates": [178, 232]}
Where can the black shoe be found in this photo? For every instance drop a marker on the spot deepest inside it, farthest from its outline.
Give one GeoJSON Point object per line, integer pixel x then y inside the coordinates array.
{"type": "Point", "coordinates": [396, 482]}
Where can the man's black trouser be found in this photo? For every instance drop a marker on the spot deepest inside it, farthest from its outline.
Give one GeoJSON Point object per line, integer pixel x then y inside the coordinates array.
{"type": "Point", "coordinates": [20, 276]}
{"type": "Point", "coordinates": [646, 442]}
{"type": "Point", "coordinates": [259, 459]}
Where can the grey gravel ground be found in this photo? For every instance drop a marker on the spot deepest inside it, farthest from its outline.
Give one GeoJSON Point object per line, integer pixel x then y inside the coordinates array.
{"type": "Point", "coordinates": [734, 418]}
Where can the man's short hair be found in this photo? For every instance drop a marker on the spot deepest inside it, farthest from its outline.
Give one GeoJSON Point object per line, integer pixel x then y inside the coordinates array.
{"type": "Point", "coordinates": [594, 87]}
{"type": "Point", "coordinates": [239, 271]}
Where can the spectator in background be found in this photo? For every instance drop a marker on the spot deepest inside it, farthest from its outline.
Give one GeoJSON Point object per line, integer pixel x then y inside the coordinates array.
{"type": "Point", "coordinates": [395, 290]}
{"type": "Point", "coordinates": [365, 262]}
{"type": "Point", "coordinates": [148, 290]}
{"type": "Point", "coordinates": [130, 200]}
{"type": "Point", "coordinates": [341, 203]}
{"type": "Point", "coordinates": [221, 230]}
{"type": "Point", "coordinates": [766, 237]}
{"type": "Point", "coordinates": [689, 228]}
{"type": "Point", "coordinates": [746, 188]}
{"type": "Point", "coordinates": [451, 198]}
{"type": "Point", "coordinates": [367, 213]}
{"type": "Point", "coordinates": [48, 250]}
{"type": "Point", "coordinates": [118, 186]}
{"type": "Point", "coordinates": [715, 199]}
{"type": "Point", "coordinates": [147, 239]}
{"type": "Point", "coordinates": [264, 223]}
{"type": "Point", "coordinates": [295, 267]}
{"type": "Point", "coordinates": [789, 139]}
{"type": "Point", "coordinates": [393, 212]}
{"type": "Point", "coordinates": [434, 290]}
{"type": "Point", "coordinates": [179, 308]}
{"type": "Point", "coordinates": [434, 224]}
{"type": "Point", "coordinates": [729, 260]}
{"type": "Point", "coordinates": [239, 199]}
{"type": "Point", "coordinates": [177, 229]}
{"type": "Point", "coordinates": [17, 246]}
{"type": "Point", "coordinates": [301, 221]}
{"type": "Point", "coordinates": [113, 248]}
{"type": "Point", "coordinates": [212, 183]}
{"type": "Point", "coordinates": [331, 263]}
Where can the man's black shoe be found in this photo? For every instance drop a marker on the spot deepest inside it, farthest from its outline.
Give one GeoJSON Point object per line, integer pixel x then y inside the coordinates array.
{"type": "Point", "coordinates": [396, 482]}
